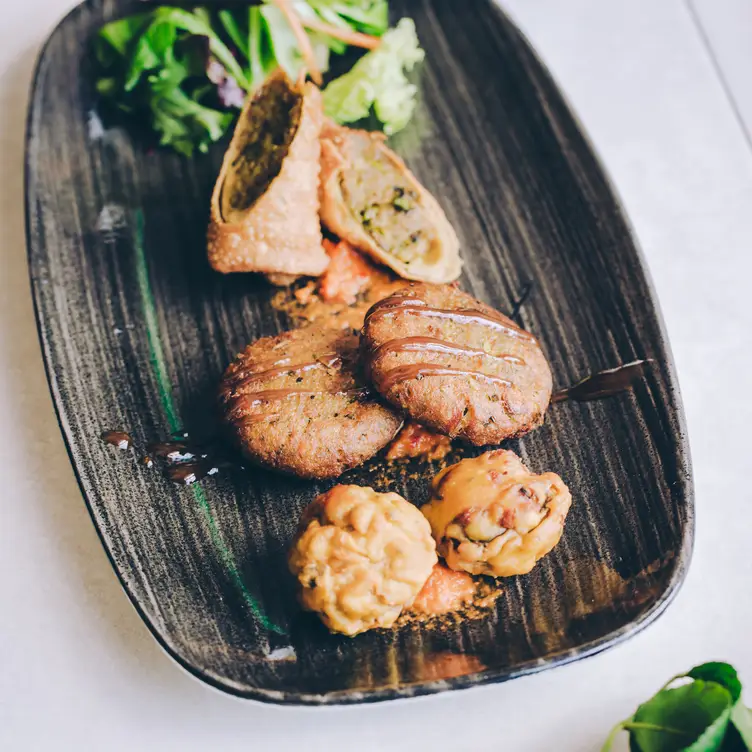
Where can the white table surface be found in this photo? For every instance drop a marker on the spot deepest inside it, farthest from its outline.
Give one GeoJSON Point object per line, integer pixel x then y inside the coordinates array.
{"type": "Point", "coordinates": [663, 88]}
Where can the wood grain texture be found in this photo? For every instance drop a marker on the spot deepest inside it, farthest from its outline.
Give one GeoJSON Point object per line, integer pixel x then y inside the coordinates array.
{"type": "Point", "coordinates": [136, 331]}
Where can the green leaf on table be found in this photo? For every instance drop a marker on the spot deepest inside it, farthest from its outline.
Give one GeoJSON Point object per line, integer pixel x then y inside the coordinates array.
{"type": "Point", "coordinates": [703, 715]}
{"type": "Point", "coordinates": [720, 673]}
{"type": "Point", "coordinates": [690, 718]}
{"type": "Point", "coordinates": [378, 81]}
{"type": "Point", "coordinates": [733, 741]}
{"type": "Point", "coordinates": [741, 720]}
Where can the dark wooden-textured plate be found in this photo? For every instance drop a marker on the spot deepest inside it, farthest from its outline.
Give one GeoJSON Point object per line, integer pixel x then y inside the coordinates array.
{"type": "Point", "coordinates": [136, 331]}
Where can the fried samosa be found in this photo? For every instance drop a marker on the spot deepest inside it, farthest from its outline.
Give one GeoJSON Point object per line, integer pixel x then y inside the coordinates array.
{"type": "Point", "coordinates": [371, 199]}
{"type": "Point", "coordinates": [265, 204]}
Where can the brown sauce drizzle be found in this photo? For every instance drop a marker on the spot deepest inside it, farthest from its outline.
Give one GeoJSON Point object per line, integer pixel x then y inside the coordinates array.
{"type": "Point", "coordinates": [119, 439]}
{"type": "Point", "coordinates": [188, 474]}
{"type": "Point", "coordinates": [186, 463]}
{"type": "Point", "coordinates": [418, 370]}
{"type": "Point", "coordinates": [603, 384]}
{"type": "Point", "coordinates": [283, 368]}
{"type": "Point", "coordinates": [459, 315]}
{"type": "Point", "coordinates": [393, 303]}
{"type": "Point", "coordinates": [432, 344]}
{"type": "Point", "coordinates": [174, 451]}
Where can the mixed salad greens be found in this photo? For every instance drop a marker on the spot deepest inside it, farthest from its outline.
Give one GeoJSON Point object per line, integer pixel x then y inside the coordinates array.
{"type": "Point", "coordinates": [187, 73]}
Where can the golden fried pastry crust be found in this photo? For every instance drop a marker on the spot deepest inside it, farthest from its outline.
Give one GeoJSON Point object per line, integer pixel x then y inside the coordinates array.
{"type": "Point", "coordinates": [276, 149]}
{"type": "Point", "coordinates": [490, 515]}
{"type": "Point", "coordinates": [360, 557]}
{"type": "Point", "coordinates": [371, 199]}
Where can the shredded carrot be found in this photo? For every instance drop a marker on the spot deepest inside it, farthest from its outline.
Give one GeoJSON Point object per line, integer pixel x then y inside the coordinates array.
{"type": "Point", "coordinates": [354, 38]}
{"type": "Point", "coordinates": [347, 276]}
{"type": "Point", "coordinates": [303, 41]}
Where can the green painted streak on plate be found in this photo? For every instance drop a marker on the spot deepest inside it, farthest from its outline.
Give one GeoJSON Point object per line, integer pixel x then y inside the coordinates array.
{"type": "Point", "coordinates": [156, 354]}
{"type": "Point", "coordinates": [164, 386]}
{"type": "Point", "coordinates": [229, 561]}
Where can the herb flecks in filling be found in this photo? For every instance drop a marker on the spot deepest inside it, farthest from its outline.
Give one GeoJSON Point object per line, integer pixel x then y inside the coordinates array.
{"type": "Point", "coordinates": [386, 205]}
{"type": "Point", "coordinates": [403, 201]}
{"type": "Point", "coordinates": [271, 124]}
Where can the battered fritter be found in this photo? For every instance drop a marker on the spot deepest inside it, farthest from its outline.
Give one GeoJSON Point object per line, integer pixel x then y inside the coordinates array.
{"type": "Point", "coordinates": [296, 403]}
{"type": "Point", "coordinates": [490, 515]}
{"type": "Point", "coordinates": [360, 557]}
{"type": "Point", "coordinates": [455, 364]}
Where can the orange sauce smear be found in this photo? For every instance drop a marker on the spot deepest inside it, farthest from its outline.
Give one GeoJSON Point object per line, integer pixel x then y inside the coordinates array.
{"type": "Point", "coordinates": [340, 298]}
{"type": "Point", "coordinates": [444, 591]}
{"type": "Point", "coordinates": [415, 440]}
{"type": "Point", "coordinates": [347, 276]}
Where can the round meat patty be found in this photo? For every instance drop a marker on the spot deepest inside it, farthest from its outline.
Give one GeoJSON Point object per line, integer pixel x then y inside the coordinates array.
{"type": "Point", "coordinates": [455, 364]}
{"type": "Point", "coordinates": [296, 403]}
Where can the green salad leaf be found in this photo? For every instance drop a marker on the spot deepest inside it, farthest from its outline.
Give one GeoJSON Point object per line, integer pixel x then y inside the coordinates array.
{"type": "Point", "coordinates": [704, 714]}
{"type": "Point", "coordinates": [185, 73]}
{"type": "Point", "coordinates": [378, 81]}
{"type": "Point", "coordinates": [284, 45]}
{"type": "Point", "coordinates": [368, 16]}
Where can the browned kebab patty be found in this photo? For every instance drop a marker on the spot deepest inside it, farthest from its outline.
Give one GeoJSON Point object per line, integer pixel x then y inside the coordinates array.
{"type": "Point", "coordinates": [296, 403]}
{"type": "Point", "coordinates": [455, 364]}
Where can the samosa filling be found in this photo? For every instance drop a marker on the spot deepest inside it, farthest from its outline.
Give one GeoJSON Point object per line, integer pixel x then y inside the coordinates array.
{"type": "Point", "coordinates": [269, 129]}
{"type": "Point", "coordinates": [384, 202]}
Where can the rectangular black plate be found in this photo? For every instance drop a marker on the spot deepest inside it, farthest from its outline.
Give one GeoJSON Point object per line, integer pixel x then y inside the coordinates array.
{"type": "Point", "coordinates": [136, 331]}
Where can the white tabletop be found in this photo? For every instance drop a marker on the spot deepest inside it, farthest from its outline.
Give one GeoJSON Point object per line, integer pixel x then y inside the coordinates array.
{"type": "Point", "coordinates": [662, 87]}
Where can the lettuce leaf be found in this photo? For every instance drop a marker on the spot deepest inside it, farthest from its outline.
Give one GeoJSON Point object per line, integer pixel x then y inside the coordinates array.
{"type": "Point", "coordinates": [186, 72]}
{"type": "Point", "coordinates": [285, 45]}
{"type": "Point", "coordinates": [378, 81]}
{"type": "Point", "coordinates": [366, 16]}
